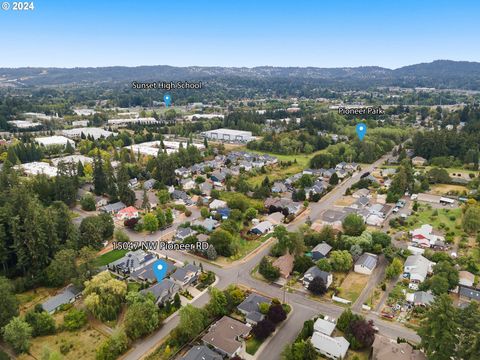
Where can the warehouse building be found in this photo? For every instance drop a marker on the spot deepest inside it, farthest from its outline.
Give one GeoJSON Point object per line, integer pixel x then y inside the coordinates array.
{"type": "Point", "coordinates": [228, 135]}
{"type": "Point", "coordinates": [94, 132]}
{"type": "Point", "coordinates": [54, 141]}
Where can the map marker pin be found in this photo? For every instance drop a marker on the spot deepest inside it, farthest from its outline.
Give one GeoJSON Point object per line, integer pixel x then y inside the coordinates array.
{"type": "Point", "coordinates": [160, 269]}
{"type": "Point", "coordinates": [167, 99]}
{"type": "Point", "coordinates": [361, 130]}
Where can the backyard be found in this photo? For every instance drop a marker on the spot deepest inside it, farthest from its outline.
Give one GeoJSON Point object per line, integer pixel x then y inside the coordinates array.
{"type": "Point", "coordinates": [352, 286]}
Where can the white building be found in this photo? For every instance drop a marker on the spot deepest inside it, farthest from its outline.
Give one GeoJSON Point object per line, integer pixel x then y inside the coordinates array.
{"type": "Point", "coordinates": [152, 147]}
{"type": "Point", "coordinates": [72, 159]}
{"type": "Point", "coordinates": [203, 116]}
{"type": "Point", "coordinates": [331, 347]}
{"type": "Point", "coordinates": [94, 132]}
{"type": "Point", "coordinates": [37, 168]}
{"type": "Point", "coordinates": [54, 140]}
{"type": "Point", "coordinates": [418, 267]}
{"type": "Point", "coordinates": [120, 122]}
{"type": "Point", "coordinates": [84, 112]}
{"type": "Point", "coordinates": [80, 123]}
{"type": "Point", "coordinates": [228, 135]}
{"type": "Point", "coordinates": [24, 124]}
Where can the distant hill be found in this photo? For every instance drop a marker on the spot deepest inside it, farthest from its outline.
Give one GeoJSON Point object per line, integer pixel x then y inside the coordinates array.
{"type": "Point", "coordinates": [438, 74]}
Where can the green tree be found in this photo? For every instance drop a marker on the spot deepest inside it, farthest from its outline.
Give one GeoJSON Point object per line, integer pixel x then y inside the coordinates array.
{"type": "Point", "coordinates": [163, 196]}
{"type": "Point", "coordinates": [353, 225]}
{"type": "Point", "coordinates": [99, 178]}
{"type": "Point", "coordinates": [88, 203]}
{"type": "Point", "coordinates": [341, 260]}
{"type": "Point", "coordinates": [394, 269]}
{"type": "Point", "coordinates": [113, 347]}
{"type": "Point", "coordinates": [125, 194]}
{"type": "Point", "coordinates": [8, 302]}
{"type": "Point", "coordinates": [302, 350]}
{"type": "Point", "coordinates": [18, 334]}
{"type": "Point", "coordinates": [439, 330]}
{"type": "Point", "coordinates": [324, 265]}
{"type": "Point", "coordinates": [251, 213]}
{"type": "Point", "coordinates": [150, 222]}
{"type": "Point", "coordinates": [217, 306]}
{"type": "Point", "coordinates": [104, 296]}
{"type": "Point", "coordinates": [141, 318]}
{"type": "Point", "coordinates": [62, 268]}
{"type": "Point", "coordinates": [471, 219]}
{"type": "Point", "coordinates": [333, 179]}
{"type": "Point", "coordinates": [42, 323]}
{"type": "Point", "coordinates": [267, 270]}
{"type": "Point", "coordinates": [169, 216]}
{"type": "Point", "coordinates": [192, 322]}
{"type": "Point", "coordinates": [222, 241]}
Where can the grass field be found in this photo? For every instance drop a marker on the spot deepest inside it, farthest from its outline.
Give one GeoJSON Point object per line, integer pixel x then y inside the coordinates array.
{"type": "Point", "coordinates": [72, 345]}
{"type": "Point", "coordinates": [107, 258]}
{"type": "Point", "coordinates": [29, 299]}
{"type": "Point", "coordinates": [445, 189]}
{"type": "Point", "coordinates": [255, 203]}
{"type": "Point", "coordinates": [352, 286]}
{"type": "Point", "coordinates": [446, 220]}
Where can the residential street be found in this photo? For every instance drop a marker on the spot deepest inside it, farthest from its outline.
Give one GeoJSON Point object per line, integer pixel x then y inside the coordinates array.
{"type": "Point", "coordinates": [303, 308]}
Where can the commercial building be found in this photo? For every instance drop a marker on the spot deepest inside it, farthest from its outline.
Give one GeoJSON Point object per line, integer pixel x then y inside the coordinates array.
{"type": "Point", "coordinates": [228, 135]}
{"type": "Point", "coordinates": [37, 168]}
{"type": "Point", "coordinates": [54, 141]}
{"type": "Point", "coordinates": [24, 124]}
{"type": "Point", "coordinates": [94, 132]}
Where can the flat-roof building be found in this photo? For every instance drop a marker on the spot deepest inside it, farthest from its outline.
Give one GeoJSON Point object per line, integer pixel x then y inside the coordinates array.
{"type": "Point", "coordinates": [54, 141]}
{"type": "Point", "coordinates": [228, 135]}
{"type": "Point", "coordinates": [24, 124]}
{"type": "Point", "coordinates": [94, 132]}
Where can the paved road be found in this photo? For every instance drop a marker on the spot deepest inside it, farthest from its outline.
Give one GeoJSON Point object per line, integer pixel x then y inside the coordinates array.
{"type": "Point", "coordinates": [239, 272]}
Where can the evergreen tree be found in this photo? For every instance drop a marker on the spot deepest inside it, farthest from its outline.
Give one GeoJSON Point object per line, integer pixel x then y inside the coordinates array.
{"type": "Point", "coordinates": [99, 178]}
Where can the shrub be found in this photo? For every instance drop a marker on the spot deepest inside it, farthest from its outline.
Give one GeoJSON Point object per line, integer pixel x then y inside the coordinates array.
{"type": "Point", "coordinates": [74, 319]}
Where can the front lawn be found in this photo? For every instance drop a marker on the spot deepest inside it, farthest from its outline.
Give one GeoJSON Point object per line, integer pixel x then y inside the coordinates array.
{"type": "Point", "coordinates": [109, 257]}
{"type": "Point", "coordinates": [252, 345]}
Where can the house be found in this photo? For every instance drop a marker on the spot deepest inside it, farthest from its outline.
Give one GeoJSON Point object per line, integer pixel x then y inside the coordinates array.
{"type": "Point", "coordinates": [226, 336]}
{"type": "Point", "coordinates": [314, 272]}
{"type": "Point", "coordinates": [374, 220]}
{"type": "Point", "coordinates": [279, 187]}
{"type": "Point", "coordinates": [360, 192]}
{"type": "Point", "coordinates": [127, 213]}
{"type": "Point", "coordinates": [384, 348]}
{"type": "Point", "coordinates": [131, 262]}
{"type": "Point", "coordinates": [184, 232]}
{"type": "Point", "coordinates": [330, 347]}
{"type": "Point", "coordinates": [361, 202]}
{"type": "Point", "coordinates": [420, 298]}
{"type": "Point", "coordinates": [224, 213]}
{"type": "Point", "coordinates": [113, 208]}
{"type": "Point", "coordinates": [250, 308]}
{"type": "Point", "coordinates": [285, 264]}
{"type": "Point", "coordinates": [218, 176]}
{"type": "Point", "coordinates": [133, 183]}
{"type": "Point", "coordinates": [366, 263]}
{"type": "Point", "coordinates": [262, 228]}
{"type": "Point", "coordinates": [151, 198]}
{"type": "Point", "coordinates": [149, 184]}
{"type": "Point", "coordinates": [186, 275]}
{"type": "Point", "coordinates": [68, 295]}
{"type": "Point", "coordinates": [146, 274]}
{"type": "Point", "coordinates": [425, 237]}
{"type": "Point", "coordinates": [217, 204]}
{"type": "Point", "coordinates": [466, 278]}
{"type": "Point", "coordinates": [276, 218]}
{"type": "Point", "coordinates": [468, 293]}
{"type": "Point", "coordinates": [342, 173]}
{"type": "Point", "coordinates": [100, 201]}
{"type": "Point", "coordinates": [207, 224]}
{"type": "Point", "coordinates": [201, 353]}
{"type": "Point", "coordinates": [418, 267]}
{"type": "Point", "coordinates": [419, 161]}
{"type": "Point", "coordinates": [188, 184]}
{"type": "Point", "coordinates": [182, 172]}
{"type": "Point", "coordinates": [283, 205]}
{"type": "Point", "coordinates": [324, 326]}
{"type": "Point", "coordinates": [333, 217]}
{"type": "Point", "coordinates": [181, 197]}
{"type": "Point", "coordinates": [206, 188]}
{"type": "Point", "coordinates": [321, 251]}
{"type": "Point", "coordinates": [163, 291]}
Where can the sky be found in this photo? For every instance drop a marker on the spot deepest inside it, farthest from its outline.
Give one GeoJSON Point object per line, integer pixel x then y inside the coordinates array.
{"type": "Point", "coordinates": [320, 33]}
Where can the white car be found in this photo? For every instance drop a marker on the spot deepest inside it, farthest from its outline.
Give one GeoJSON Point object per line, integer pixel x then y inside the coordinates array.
{"type": "Point", "coordinates": [414, 196]}
{"type": "Point", "coordinates": [413, 286]}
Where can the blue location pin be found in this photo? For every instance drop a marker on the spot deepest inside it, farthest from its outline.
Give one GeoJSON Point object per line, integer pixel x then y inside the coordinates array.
{"type": "Point", "coordinates": [167, 99]}
{"type": "Point", "coordinates": [361, 130]}
{"type": "Point", "coordinates": [160, 269]}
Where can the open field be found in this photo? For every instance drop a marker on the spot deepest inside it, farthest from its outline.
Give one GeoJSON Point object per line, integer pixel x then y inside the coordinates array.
{"type": "Point", "coordinates": [29, 299]}
{"type": "Point", "coordinates": [446, 220]}
{"type": "Point", "coordinates": [445, 189]}
{"type": "Point", "coordinates": [72, 345]}
{"type": "Point", "coordinates": [352, 286]}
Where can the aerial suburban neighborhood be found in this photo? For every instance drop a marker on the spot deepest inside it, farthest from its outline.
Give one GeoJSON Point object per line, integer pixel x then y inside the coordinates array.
{"type": "Point", "coordinates": [292, 201]}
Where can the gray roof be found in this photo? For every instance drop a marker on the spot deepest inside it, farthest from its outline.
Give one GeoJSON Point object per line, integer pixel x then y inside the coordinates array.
{"type": "Point", "coordinates": [162, 290]}
{"type": "Point", "coordinates": [181, 273]}
{"type": "Point", "coordinates": [64, 297]}
{"type": "Point", "coordinates": [333, 216]}
{"type": "Point", "coordinates": [315, 272]}
{"type": "Point", "coordinates": [147, 273]}
{"type": "Point", "coordinates": [471, 293]}
{"type": "Point", "coordinates": [115, 207]}
{"type": "Point", "coordinates": [336, 346]}
{"type": "Point", "coordinates": [202, 353]}
{"type": "Point", "coordinates": [149, 184]}
{"type": "Point", "coordinates": [422, 297]}
{"type": "Point", "coordinates": [132, 260]}
{"type": "Point", "coordinates": [185, 232]}
{"type": "Point", "coordinates": [250, 304]}
{"type": "Point", "coordinates": [367, 260]}
{"type": "Point", "coordinates": [322, 248]}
